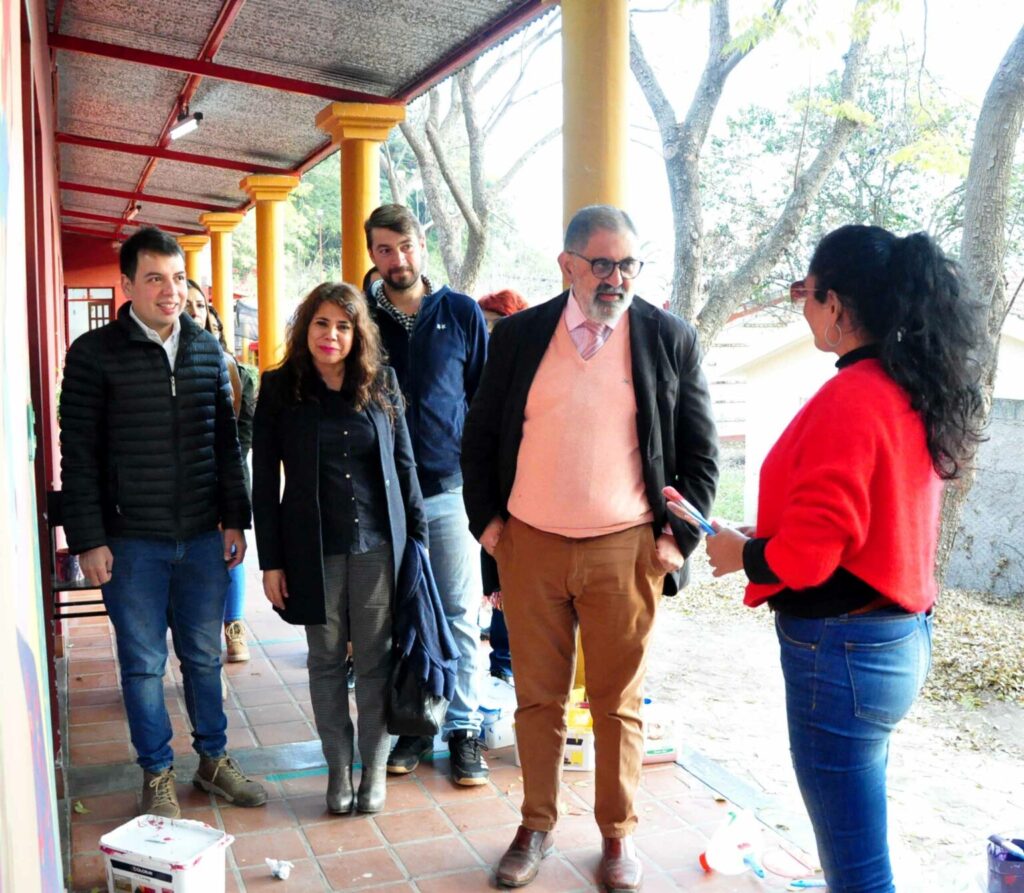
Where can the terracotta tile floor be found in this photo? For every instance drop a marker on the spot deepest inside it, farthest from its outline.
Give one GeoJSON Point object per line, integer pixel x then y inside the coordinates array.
{"type": "Point", "coordinates": [433, 837]}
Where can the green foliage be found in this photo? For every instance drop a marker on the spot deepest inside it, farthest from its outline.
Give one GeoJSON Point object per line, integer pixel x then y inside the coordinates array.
{"type": "Point", "coordinates": [752, 32]}
{"type": "Point", "coordinates": [729, 498]}
{"type": "Point", "coordinates": [902, 169]}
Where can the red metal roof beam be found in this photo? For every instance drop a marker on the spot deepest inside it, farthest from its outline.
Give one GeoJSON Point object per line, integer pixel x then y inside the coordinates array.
{"type": "Point", "coordinates": [94, 233]}
{"type": "Point", "coordinates": [211, 69]}
{"type": "Point", "coordinates": [168, 154]}
{"type": "Point", "coordinates": [484, 40]}
{"type": "Point", "coordinates": [135, 197]}
{"type": "Point", "coordinates": [104, 218]}
{"type": "Point", "coordinates": [225, 18]}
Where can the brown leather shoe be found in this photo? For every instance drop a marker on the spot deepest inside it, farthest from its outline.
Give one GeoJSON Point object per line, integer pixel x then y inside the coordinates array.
{"type": "Point", "coordinates": [620, 870]}
{"type": "Point", "coordinates": [522, 859]}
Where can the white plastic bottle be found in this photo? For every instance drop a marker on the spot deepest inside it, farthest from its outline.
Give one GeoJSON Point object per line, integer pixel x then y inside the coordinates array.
{"type": "Point", "coordinates": [733, 847]}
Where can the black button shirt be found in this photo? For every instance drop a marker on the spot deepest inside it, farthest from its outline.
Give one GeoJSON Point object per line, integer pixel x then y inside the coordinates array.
{"type": "Point", "coordinates": [353, 498]}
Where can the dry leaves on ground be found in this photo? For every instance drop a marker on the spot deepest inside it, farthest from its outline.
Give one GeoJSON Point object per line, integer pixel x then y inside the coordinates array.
{"type": "Point", "coordinates": [978, 648]}
{"type": "Point", "coordinates": [978, 645]}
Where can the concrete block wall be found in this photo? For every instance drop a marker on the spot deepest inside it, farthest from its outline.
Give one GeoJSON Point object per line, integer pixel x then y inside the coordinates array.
{"type": "Point", "coordinates": [989, 552]}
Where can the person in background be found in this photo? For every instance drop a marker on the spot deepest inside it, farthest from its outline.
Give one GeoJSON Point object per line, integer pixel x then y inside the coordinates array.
{"type": "Point", "coordinates": [436, 340]}
{"type": "Point", "coordinates": [848, 519]}
{"type": "Point", "coordinates": [203, 312]}
{"type": "Point", "coordinates": [331, 545]}
{"type": "Point", "coordinates": [372, 276]}
{"type": "Point", "coordinates": [589, 405]}
{"type": "Point", "coordinates": [155, 506]}
{"type": "Point", "coordinates": [496, 306]}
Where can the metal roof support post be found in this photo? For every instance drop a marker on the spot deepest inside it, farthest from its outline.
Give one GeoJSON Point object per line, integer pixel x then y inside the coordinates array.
{"type": "Point", "coordinates": [193, 247]}
{"type": "Point", "coordinates": [595, 104]}
{"type": "Point", "coordinates": [269, 191]}
{"type": "Point", "coordinates": [358, 128]}
{"type": "Point", "coordinates": [595, 120]}
{"type": "Point", "coordinates": [220, 226]}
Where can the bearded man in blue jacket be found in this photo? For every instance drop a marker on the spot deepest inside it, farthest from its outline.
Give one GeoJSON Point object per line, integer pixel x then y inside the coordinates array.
{"type": "Point", "coordinates": [436, 341]}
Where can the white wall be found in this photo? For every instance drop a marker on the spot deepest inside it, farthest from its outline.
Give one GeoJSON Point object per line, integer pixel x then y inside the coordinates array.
{"type": "Point", "coordinates": [1010, 374]}
{"type": "Point", "coordinates": [777, 386]}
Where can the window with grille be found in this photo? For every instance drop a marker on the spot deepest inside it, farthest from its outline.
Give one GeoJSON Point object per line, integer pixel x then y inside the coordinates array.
{"type": "Point", "coordinates": [87, 309]}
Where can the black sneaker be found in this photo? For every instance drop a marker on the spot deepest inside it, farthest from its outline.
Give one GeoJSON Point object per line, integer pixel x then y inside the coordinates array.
{"type": "Point", "coordinates": [468, 764]}
{"type": "Point", "coordinates": [407, 753]}
{"type": "Point", "coordinates": [504, 676]}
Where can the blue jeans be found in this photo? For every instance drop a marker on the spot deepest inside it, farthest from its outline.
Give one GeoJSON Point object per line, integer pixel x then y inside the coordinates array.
{"type": "Point", "coordinates": [455, 560]}
{"type": "Point", "coordinates": [156, 583]}
{"type": "Point", "coordinates": [234, 604]}
{"type": "Point", "coordinates": [501, 655]}
{"type": "Point", "coordinates": [849, 681]}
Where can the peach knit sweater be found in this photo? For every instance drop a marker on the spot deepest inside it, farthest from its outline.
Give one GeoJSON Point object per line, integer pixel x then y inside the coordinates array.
{"type": "Point", "coordinates": [579, 472]}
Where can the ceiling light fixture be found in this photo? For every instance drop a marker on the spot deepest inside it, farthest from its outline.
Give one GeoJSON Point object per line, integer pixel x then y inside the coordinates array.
{"type": "Point", "coordinates": [186, 124]}
{"type": "Point", "coordinates": [134, 212]}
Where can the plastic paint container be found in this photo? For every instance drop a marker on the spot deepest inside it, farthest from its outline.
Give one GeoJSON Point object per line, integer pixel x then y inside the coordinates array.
{"type": "Point", "coordinates": [1005, 873]}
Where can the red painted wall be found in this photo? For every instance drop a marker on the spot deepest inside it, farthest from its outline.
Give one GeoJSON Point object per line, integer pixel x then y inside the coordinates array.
{"type": "Point", "coordinates": [90, 262]}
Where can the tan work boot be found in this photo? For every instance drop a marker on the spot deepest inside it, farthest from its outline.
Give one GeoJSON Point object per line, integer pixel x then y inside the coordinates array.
{"type": "Point", "coordinates": [234, 637]}
{"type": "Point", "coordinates": [159, 796]}
{"type": "Point", "coordinates": [221, 776]}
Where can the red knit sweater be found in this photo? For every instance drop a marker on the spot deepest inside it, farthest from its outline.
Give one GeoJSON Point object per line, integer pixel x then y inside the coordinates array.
{"type": "Point", "coordinates": [850, 483]}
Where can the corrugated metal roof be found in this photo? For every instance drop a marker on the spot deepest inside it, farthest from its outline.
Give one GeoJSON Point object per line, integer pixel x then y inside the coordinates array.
{"type": "Point", "coordinates": [107, 91]}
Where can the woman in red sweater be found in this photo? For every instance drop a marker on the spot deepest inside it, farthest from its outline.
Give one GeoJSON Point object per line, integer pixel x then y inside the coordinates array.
{"type": "Point", "coordinates": [848, 519]}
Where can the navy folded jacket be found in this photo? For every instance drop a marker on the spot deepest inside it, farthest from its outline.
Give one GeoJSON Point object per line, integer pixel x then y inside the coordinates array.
{"type": "Point", "coordinates": [420, 630]}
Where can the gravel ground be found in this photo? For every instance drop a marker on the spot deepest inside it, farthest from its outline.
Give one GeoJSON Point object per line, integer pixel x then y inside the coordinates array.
{"type": "Point", "coordinates": [957, 761]}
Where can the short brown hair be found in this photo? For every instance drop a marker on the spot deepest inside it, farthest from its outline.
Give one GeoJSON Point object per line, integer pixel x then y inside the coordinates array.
{"type": "Point", "coordinates": [397, 218]}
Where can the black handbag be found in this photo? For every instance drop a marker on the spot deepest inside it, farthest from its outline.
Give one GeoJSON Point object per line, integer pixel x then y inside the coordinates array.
{"type": "Point", "coordinates": [412, 710]}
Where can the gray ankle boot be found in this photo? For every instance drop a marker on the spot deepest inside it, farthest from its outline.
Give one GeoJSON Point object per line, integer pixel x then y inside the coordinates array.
{"type": "Point", "coordinates": [339, 789]}
{"type": "Point", "coordinates": [372, 789]}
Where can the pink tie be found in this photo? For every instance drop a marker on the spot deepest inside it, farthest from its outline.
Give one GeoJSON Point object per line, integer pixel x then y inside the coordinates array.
{"type": "Point", "coordinates": [589, 341]}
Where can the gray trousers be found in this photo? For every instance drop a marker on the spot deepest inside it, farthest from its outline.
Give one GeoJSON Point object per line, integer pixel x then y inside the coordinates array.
{"type": "Point", "coordinates": [359, 590]}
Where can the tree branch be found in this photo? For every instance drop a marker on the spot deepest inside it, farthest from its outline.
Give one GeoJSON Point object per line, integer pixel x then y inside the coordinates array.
{"type": "Point", "coordinates": [509, 175]}
{"type": "Point", "coordinates": [664, 114]}
{"type": "Point", "coordinates": [397, 193]}
{"type": "Point", "coordinates": [728, 292]}
{"type": "Point", "coordinates": [477, 183]}
{"type": "Point", "coordinates": [434, 191]}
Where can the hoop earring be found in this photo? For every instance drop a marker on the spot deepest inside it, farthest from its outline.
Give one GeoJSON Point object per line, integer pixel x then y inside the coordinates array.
{"type": "Point", "coordinates": [839, 335]}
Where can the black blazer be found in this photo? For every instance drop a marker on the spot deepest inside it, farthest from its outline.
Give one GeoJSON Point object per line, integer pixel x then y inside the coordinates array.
{"type": "Point", "coordinates": [288, 525]}
{"type": "Point", "coordinates": [678, 443]}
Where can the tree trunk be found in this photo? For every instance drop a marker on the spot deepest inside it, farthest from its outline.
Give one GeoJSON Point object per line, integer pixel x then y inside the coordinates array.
{"type": "Point", "coordinates": [682, 144]}
{"type": "Point", "coordinates": [983, 250]}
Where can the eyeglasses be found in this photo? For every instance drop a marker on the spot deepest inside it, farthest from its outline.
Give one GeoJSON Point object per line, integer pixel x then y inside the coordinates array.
{"type": "Point", "coordinates": [798, 291]}
{"type": "Point", "coordinates": [602, 267]}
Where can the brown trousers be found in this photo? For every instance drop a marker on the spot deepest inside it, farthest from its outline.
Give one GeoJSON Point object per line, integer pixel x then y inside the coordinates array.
{"type": "Point", "coordinates": [608, 585]}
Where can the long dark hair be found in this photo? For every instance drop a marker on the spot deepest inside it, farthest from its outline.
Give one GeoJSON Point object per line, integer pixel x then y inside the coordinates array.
{"type": "Point", "coordinates": [211, 314]}
{"type": "Point", "coordinates": [912, 301]}
{"type": "Point", "coordinates": [363, 382]}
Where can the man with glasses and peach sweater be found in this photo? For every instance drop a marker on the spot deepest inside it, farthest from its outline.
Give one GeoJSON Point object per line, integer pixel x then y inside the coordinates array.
{"type": "Point", "coordinates": [588, 406]}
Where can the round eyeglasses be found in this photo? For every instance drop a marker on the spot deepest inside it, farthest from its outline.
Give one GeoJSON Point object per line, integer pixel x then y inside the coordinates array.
{"type": "Point", "coordinates": [603, 267]}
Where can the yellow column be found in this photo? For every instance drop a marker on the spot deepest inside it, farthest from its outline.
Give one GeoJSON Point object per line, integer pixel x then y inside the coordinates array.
{"type": "Point", "coordinates": [192, 246]}
{"type": "Point", "coordinates": [595, 103]}
{"type": "Point", "coordinates": [269, 191]}
{"type": "Point", "coordinates": [359, 128]}
{"type": "Point", "coordinates": [220, 224]}
{"type": "Point", "coordinates": [595, 119]}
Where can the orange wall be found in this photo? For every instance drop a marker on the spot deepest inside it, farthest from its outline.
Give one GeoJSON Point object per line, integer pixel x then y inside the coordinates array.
{"type": "Point", "coordinates": [89, 261]}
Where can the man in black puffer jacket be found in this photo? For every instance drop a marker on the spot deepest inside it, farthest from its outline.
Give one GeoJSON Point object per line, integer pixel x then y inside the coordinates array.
{"type": "Point", "coordinates": [151, 469]}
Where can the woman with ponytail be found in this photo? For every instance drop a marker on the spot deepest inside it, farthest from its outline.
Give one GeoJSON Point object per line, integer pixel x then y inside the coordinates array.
{"type": "Point", "coordinates": [848, 518]}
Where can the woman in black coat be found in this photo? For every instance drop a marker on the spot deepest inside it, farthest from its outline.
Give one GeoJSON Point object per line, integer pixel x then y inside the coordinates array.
{"type": "Point", "coordinates": [330, 547]}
